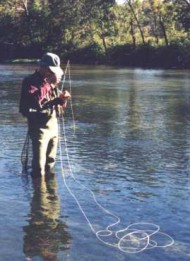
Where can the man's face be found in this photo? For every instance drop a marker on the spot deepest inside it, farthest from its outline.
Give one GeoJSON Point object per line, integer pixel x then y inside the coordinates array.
{"type": "Point", "coordinates": [56, 78]}
{"type": "Point", "coordinates": [53, 78]}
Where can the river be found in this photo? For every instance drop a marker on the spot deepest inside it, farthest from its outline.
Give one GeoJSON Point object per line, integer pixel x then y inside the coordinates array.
{"type": "Point", "coordinates": [125, 156]}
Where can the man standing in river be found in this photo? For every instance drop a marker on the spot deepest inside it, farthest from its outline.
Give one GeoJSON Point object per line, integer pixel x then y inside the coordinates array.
{"type": "Point", "coordinates": [41, 103]}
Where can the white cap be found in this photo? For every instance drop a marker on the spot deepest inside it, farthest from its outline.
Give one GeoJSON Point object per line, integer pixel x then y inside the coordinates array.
{"type": "Point", "coordinates": [52, 61]}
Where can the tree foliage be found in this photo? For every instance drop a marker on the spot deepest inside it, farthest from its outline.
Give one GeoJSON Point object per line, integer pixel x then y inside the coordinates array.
{"type": "Point", "coordinates": [182, 10]}
{"type": "Point", "coordinates": [30, 27]}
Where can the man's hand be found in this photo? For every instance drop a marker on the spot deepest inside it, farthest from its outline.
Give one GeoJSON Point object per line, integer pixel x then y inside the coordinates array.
{"type": "Point", "coordinates": [65, 96]}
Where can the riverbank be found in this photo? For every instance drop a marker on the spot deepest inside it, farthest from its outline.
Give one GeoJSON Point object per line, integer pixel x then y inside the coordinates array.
{"type": "Point", "coordinates": [173, 56]}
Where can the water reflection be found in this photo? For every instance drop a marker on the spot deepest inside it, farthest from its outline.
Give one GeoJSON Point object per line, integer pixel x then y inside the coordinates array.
{"type": "Point", "coordinates": [45, 235]}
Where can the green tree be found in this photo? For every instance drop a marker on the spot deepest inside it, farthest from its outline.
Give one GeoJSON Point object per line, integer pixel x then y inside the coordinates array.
{"type": "Point", "coordinates": [135, 8]}
{"type": "Point", "coordinates": [182, 9]}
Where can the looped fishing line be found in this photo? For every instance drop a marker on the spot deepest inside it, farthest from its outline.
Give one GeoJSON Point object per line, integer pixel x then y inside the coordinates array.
{"type": "Point", "coordinates": [134, 238]}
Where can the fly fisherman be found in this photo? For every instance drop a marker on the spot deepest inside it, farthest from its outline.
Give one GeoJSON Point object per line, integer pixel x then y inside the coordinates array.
{"type": "Point", "coordinates": [41, 103]}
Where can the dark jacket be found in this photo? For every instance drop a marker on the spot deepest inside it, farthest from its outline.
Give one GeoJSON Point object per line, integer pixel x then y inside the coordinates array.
{"type": "Point", "coordinates": [38, 98]}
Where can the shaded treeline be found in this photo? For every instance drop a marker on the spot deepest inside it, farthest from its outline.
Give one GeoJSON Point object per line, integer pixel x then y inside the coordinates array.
{"type": "Point", "coordinates": [144, 33]}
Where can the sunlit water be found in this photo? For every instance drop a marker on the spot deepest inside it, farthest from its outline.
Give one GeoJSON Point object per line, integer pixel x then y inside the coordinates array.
{"type": "Point", "coordinates": [131, 147]}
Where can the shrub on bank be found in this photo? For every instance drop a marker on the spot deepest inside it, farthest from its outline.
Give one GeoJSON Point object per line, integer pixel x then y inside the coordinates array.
{"type": "Point", "coordinates": [121, 55]}
{"type": "Point", "coordinates": [10, 52]}
{"type": "Point", "coordinates": [175, 55]}
{"type": "Point", "coordinates": [90, 54]}
{"type": "Point", "coordinates": [147, 56]}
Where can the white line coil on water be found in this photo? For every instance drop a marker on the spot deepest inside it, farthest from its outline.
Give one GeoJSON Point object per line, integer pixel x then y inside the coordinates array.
{"type": "Point", "coordinates": [134, 238]}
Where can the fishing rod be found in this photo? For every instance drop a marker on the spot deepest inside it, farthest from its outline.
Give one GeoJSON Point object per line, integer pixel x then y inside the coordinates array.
{"type": "Point", "coordinates": [68, 71]}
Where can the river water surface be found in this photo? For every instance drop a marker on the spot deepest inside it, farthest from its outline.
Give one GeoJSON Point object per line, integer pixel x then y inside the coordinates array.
{"type": "Point", "coordinates": [130, 147]}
